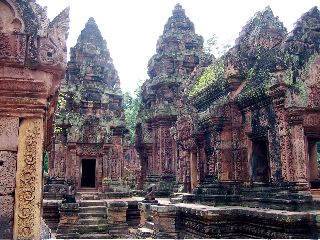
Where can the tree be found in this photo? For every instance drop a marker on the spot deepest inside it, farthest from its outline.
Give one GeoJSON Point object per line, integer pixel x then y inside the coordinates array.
{"type": "Point", "coordinates": [131, 107]}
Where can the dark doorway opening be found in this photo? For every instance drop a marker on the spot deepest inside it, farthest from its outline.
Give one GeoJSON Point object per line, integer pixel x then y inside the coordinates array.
{"type": "Point", "coordinates": [88, 177]}
{"type": "Point", "coordinates": [260, 161]}
{"type": "Point", "coordinates": [314, 162]}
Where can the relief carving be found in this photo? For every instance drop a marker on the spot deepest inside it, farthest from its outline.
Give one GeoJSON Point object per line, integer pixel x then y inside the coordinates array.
{"type": "Point", "coordinates": [89, 150]}
{"type": "Point", "coordinates": [6, 216]}
{"type": "Point", "coordinates": [184, 132]}
{"type": "Point", "coordinates": [9, 133]}
{"type": "Point", "coordinates": [9, 21]}
{"type": "Point", "coordinates": [12, 48]}
{"type": "Point", "coordinates": [5, 47]}
{"type": "Point", "coordinates": [28, 183]}
{"type": "Point", "coordinates": [52, 49]}
{"type": "Point", "coordinates": [311, 120]}
{"type": "Point", "coordinates": [8, 161]}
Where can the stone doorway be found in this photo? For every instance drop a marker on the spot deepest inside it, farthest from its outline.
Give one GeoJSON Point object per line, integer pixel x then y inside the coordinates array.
{"type": "Point", "coordinates": [260, 161]}
{"type": "Point", "coordinates": [88, 176]}
{"type": "Point", "coordinates": [314, 164]}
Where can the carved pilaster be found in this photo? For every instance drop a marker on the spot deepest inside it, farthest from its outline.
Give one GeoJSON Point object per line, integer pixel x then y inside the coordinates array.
{"type": "Point", "coordinates": [27, 217]}
{"type": "Point", "coordinates": [278, 93]}
{"type": "Point", "coordinates": [9, 127]}
{"type": "Point", "coordinates": [298, 148]}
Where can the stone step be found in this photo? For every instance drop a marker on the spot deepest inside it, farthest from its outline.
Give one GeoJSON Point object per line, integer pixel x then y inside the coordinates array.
{"type": "Point", "coordinates": [91, 203]}
{"type": "Point", "coordinates": [92, 215]}
{"type": "Point", "coordinates": [87, 195]}
{"type": "Point", "coordinates": [144, 233]}
{"type": "Point", "coordinates": [92, 221]}
{"type": "Point", "coordinates": [92, 209]}
{"type": "Point", "coordinates": [149, 225]}
{"type": "Point", "coordinates": [94, 228]}
{"type": "Point", "coordinates": [176, 200]}
{"type": "Point", "coordinates": [95, 236]}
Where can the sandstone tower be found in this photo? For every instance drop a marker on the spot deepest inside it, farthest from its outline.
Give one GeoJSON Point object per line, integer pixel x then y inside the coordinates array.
{"type": "Point", "coordinates": [90, 121]}
{"type": "Point", "coordinates": [179, 50]}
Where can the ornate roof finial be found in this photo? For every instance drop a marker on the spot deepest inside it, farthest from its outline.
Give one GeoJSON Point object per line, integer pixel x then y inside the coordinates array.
{"type": "Point", "coordinates": [91, 21]}
{"type": "Point", "coordinates": [178, 10]}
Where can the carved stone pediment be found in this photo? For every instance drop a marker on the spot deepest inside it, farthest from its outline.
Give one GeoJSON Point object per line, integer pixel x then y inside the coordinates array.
{"type": "Point", "coordinates": [89, 150]}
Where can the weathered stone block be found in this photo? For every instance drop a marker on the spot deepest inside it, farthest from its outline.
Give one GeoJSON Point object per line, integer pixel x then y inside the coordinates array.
{"type": "Point", "coordinates": [69, 219]}
{"type": "Point", "coordinates": [6, 216]}
{"type": "Point", "coordinates": [9, 127]}
{"type": "Point", "coordinates": [8, 162]}
{"type": "Point", "coordinates": [117, 212]}
{"type": "Point", "coordinates": [28, 192]}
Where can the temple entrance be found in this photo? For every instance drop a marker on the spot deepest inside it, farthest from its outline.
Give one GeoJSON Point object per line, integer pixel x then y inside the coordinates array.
{"type": "Point", "coordinates": [260, 161]}
{"type": "Point", "coordinates": [88, 176]}
{"type": "Point", "coordinates": [314, 165]}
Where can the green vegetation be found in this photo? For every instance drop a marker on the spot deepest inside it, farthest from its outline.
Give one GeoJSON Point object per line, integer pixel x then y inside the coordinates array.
{"type": "Point", "coordinates": [46, 162]}
{"type": "Point", "coordinates": [212, 73]}
{"type": "Point", "coordinates": [131, 108]}
{"type": "Point", "coordinates": [318, 150]}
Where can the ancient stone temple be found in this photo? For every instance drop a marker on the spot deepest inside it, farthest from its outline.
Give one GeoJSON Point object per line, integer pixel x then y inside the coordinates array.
{"type": "Point", "coordinates": [254, 123]}
{"type": "Point", "coordinates": [90, 119]}
{"type": "Point", "coordinates": [253, 126]}
{"type": "Point", "coordinates": [246, 136]}
{"type": "Point", "coordinates": [32, 65]}
{"type": "Point", "coordinates": [229, 147]}
{"type": "Point", "coordinates": [179, 51]}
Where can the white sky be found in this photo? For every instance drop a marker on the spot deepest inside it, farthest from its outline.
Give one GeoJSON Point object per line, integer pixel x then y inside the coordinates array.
{"type": "Point", "coordinates": [132, 27]}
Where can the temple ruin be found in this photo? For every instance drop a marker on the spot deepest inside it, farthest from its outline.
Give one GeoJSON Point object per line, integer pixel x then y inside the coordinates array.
{"type": "Point", "coordinates": [225, 147]}
{"type": "Point", "coordinates": [179, 51]}
{"type": "Point", "coordinates": [90, 120]}
{"type": "Point", "coordinates": [33, 59]}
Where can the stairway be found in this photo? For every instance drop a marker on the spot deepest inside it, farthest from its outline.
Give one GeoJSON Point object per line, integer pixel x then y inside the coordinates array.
{"type": "Point", "coordinates": [146, 231]}
{"type": "Point", "coordinates": [93, 220]}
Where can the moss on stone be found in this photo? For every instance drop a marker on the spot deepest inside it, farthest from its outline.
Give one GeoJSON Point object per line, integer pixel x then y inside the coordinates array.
{"type": "Point", "coordinates": [212, 73]}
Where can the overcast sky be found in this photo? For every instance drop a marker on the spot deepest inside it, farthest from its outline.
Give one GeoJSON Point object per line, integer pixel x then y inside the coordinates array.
{"type": "Point", "coordinates": [132, 27]}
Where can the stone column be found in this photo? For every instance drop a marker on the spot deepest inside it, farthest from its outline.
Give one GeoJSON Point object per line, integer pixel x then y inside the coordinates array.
{"type": "Point", "coordinates": [164, 219]}
{"type": "Point", "coordinates": [116, 217]}
{"type": "Point", "coordinates": [194, 170]}
{"type": "Point", "coordinates": [299, 150]}
{"type": "Point", "coordinates": [69, 221]}
{"type": "Point", "coordinates": [9, 127]}
{"type": "Point", "coordinates": [72, 168]}
{"type": "Point", "coordinates": [280, 156]}
{"type": "Point", "coordinates": [28, 195]}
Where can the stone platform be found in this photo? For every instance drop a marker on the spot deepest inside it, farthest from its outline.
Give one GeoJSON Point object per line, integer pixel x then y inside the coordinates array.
{"type": "Point", "coordinates": [194, 220]}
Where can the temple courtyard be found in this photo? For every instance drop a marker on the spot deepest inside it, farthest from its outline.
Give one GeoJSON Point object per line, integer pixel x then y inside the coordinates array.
{"type": "Point", "coordinates": [215, 147]}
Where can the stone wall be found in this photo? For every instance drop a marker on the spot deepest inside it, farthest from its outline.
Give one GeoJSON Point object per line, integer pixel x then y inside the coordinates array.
{"type": "Point", "coordinates": [32, 64]}
{"type": "Point", "coordinates": [245, 126]}
{"type": "Point", "coordinates": [9, 127]}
